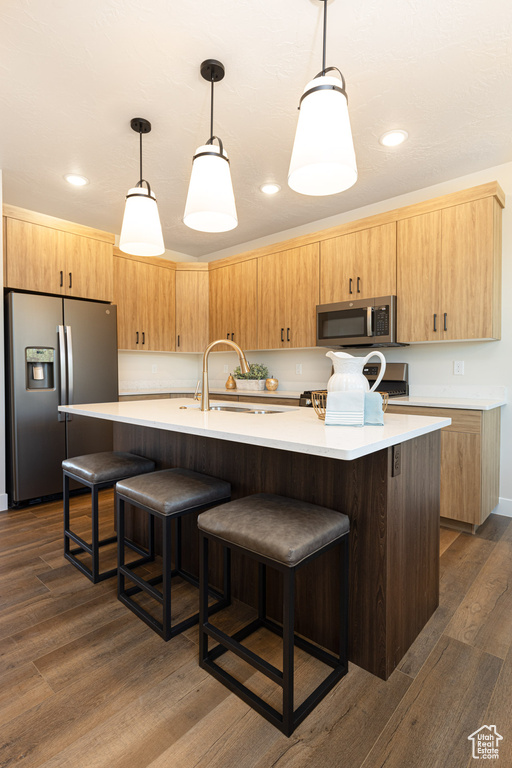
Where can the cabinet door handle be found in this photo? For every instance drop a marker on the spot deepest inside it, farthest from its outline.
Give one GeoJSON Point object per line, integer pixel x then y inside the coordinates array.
{"type": "Point", "coordinates": [61, 278]}
{"type": "Point", "coordinates": [435, 323]}
{"type": "Point", "coordinates": [70, 280]}
{"type": "Point", "coordinates": [143, 337]}
{"type": "Point", "coordinates": [359, 285]}
{"type": "Point", "coordinates": [445, 324]}
{"type": "Point", "coordinates": [232, 336]}
{"type": "Point", "coordinates": [287, 334]}
{"type": "Point", "coordinates": [178, 340]}
{"type": "Point", "coordinates": [350, 286]}
{"type": "Point", "coordinates": [137, 337]}
{"type": "Point", "coordinates": [282, 334]}
{"type": "Point", "coordinates": [227, 335]}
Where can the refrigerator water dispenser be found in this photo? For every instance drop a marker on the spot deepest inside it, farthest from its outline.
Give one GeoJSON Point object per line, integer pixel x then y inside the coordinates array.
{"type": "Point", "coordinates": [40, 363]}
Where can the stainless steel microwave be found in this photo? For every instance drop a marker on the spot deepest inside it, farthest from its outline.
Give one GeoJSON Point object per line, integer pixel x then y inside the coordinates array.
{"type": "Point", "coordinates": [361, 323]}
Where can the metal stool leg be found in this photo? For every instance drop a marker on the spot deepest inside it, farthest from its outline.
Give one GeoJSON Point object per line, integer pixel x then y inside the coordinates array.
{"type": "Point", "coordinates": [203, 596]}
{"type": "Point", "coordinates": [120, 546]}
{"type": "Point", "coordinates": [288, 648]}
{"type": "Point", "coordinates": [95, 536]}
{"type": "Point", "coordinates": [166, 578]}
{"type": "Point", "coordinates": [66, 513]}
{"type": "Point", "coordinates": [262, 591]}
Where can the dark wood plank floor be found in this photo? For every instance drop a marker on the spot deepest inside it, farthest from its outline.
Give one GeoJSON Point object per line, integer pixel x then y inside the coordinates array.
{"type": "Point", "coordinates": [84, 683]}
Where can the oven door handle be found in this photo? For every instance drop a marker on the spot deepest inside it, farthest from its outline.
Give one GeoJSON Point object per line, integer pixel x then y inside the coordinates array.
{"type": "Point", "coordinates": [369, 317]}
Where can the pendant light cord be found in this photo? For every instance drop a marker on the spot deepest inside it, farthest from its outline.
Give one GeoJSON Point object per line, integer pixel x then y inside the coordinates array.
{"type": "Point", "coordinates": [325, 36]}
{"type": "Point", "coordinates": [211, 113]}
{"type": "Point", "coordinates": [140, 155]}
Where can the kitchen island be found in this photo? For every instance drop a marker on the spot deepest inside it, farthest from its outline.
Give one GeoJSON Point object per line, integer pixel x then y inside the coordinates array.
{"type": "Point", "coordinates": [386, 479]}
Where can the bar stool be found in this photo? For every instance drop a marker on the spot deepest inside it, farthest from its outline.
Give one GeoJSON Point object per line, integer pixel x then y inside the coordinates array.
{"type": "Point", "coordinates": [168, 495]}
{"type": "Point", "coordinates": [284, 534]}
{"type": "Point", "coordinates": [97, 471]}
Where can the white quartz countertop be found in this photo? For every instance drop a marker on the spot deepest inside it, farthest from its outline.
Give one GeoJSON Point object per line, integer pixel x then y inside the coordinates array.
{"type": "Point", "coordinates": [466, 403]}
{"type": "Point", "coordinates": [295, 429]}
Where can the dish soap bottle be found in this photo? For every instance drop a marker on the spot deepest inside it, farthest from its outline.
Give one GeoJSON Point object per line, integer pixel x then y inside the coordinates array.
{"type": "Point", "coordinates": [230, 383]}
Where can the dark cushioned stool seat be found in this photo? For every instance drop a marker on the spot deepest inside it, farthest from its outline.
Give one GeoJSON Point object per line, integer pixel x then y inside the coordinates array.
{"type": "Point", "coordinates": [108, 466]}
{"type": "Point", "coordinates": [169, 495]}
{"type": "Point", "coordinates": [285, 535]}
{"type": "Point", "coordinates": [172, 490]}
{"type": "Point", "coordinates": [282, 529]}
{"type": "Point", "coordinates": [97, 470]}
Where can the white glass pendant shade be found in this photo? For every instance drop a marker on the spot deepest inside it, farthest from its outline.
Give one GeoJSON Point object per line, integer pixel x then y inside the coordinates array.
{"type": "Point", "coordinates": [323, 159]}
{"type": "Point", "coordinates": [210, 205]}
{"type": "Point", "coordinates": [141, 233]}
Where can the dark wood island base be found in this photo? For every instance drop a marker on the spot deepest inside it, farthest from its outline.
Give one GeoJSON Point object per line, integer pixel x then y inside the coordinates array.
{"type": "Point", "coordinates": [392, 500]}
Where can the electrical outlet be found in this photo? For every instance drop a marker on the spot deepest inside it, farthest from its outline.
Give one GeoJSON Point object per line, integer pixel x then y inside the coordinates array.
{"type": "Point", "coordinates": [226, 369]}
{"type": "Point", "coordinates": [458, 367]}
{"type": "Point", "coordinates": [298, 369]}
{"type": "Point", "coordinates": [154, 369]}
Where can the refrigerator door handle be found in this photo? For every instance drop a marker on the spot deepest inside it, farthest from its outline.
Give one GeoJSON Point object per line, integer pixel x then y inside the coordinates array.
{"type": "Point", "coordinates": [62, 373]}
{"type": "Point", "coordinates": [69, 342]}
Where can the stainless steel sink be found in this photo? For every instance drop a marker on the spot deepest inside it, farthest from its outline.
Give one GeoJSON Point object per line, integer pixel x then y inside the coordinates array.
{"type": "Point", "coordinates": [235, 409]}
{"type": "Point", "coordinates": [229, 408]}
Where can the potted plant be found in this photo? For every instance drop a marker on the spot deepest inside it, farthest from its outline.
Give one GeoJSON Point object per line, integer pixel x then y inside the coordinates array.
{"type": "Point", "coordinates": [254, 380]}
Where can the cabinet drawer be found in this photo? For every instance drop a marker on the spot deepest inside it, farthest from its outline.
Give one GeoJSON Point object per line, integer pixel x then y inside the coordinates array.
{"type": "Point", "coordinates": [462, 420]}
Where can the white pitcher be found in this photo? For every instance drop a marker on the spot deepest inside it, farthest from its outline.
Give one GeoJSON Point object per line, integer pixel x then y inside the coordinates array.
{"type": "Point", "coordinates": [348, 372]}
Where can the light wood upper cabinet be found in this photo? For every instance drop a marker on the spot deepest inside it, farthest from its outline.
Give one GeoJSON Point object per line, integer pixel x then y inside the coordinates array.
{"type": "Point", "coordinates": [288, 292]}
{"type": "Point", "coordinates": [359, 265]}
{"type": "Point", "coordinates": [159, 327]}
{"type": "Point", "coordinates": [33, 257]}
{"type": "Point", "coordinates": [191, 309]}
{"type": "Point", "coordinates": [42, 257]}
{"type": "Point", "coordinates": [449, 273]}
{"type": "Point", "coordinates": [89, 268]}
{"type": "Point", "coordinates": [419, 277]}
{"type": "Point", "coordinates": [128, 299]}
{"type": "Point", "coordinates": [471, 273]}
{"type": "Point", "coordinates": [233, 304]}
{"type": "Point", "coordinates": [144, 293]}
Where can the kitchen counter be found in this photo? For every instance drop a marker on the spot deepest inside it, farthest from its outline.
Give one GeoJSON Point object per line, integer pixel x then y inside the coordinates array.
{"type": "Point", "coordinates": [293, 429]}
{"type": "Point", "coordinates": [285, 393]}
{"type": "Point", "coordinates": [385, 479]}
{"type": "Point", "coordinates": [465, 403]}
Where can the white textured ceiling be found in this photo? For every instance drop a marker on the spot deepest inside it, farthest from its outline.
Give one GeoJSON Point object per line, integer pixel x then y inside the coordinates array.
{"type": "Point", "coordinates": [73, 74]}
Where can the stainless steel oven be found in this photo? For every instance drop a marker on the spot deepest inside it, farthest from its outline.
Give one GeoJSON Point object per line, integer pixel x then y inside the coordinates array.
{"type": "Point", "coordinates": [365, 322]}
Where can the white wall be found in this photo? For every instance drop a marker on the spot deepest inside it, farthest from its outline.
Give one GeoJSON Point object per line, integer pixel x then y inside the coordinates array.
{"type": "Point", "coordinates": [3, 495]}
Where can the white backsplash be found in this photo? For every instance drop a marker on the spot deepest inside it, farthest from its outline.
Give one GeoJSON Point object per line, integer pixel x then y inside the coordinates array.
{"type": "Point", "coordinates": [153, 372]}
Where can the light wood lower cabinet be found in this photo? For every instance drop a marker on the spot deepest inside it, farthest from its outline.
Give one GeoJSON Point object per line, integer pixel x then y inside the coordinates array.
{"type": "Point", "coordinates": [470, 463]}
{"type": "Point", "coordinates": [288, 292]}
{"type": "Point", "coordinates": [41, 257]}
{"type": "Point", "coordinates": [191, 308]}
{"type": "Point", "coordinates": [144, 292]}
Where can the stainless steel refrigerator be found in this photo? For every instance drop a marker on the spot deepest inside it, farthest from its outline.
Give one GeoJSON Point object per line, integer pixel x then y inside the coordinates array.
{"type": "Point", "coordinates": [59, 351]}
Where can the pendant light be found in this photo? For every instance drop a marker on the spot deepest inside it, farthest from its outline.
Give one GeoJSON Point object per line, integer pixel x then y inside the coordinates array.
{"type": "Point", "coordinates": [210, 205]}
{"type": "Point", "coordinates": [323, 159]}
{"type": "Point", "coordinates": [141, 233]}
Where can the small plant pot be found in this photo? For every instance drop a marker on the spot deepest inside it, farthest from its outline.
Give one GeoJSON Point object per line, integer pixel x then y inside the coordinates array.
{"type": "Point", "coordinates": [252, 385]}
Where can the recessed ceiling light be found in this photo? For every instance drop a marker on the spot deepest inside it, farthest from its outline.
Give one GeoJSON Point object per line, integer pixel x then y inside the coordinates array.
{"type": "Point", "coordinates": [270, 189]}
{"type": "Point", "coordinates": [76, 180]}
{"type": "Point", "coordinates": [393, 138]}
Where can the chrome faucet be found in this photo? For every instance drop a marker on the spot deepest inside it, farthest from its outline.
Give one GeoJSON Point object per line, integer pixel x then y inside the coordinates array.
{"type": "Point", "coordinates": [244, 367]}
